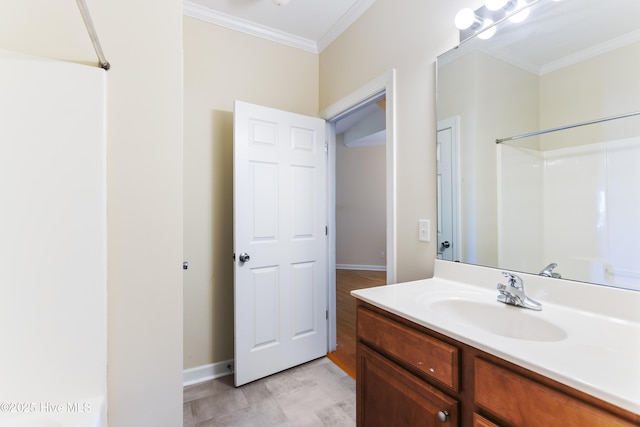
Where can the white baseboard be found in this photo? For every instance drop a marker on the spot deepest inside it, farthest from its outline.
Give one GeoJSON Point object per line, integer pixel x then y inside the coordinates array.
{"type": "Point", "coordinates": [207, 372]}
{"type": "Point", "coordinates": [361, 267]}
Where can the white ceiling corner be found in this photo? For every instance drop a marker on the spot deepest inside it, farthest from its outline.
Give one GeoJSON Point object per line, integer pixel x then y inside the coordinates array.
{"type": "Point", "coordinates": [297, 25]}
{"type": "Point", "coordinates": [345, 21]}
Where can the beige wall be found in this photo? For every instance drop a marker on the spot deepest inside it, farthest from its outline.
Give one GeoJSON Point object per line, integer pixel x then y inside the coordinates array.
{"type": "Point", "coordinates": [360, 205]}
{"type": "Point", "coordinates": [507, 103]}
{"type": "Point", "coordinates": [143, 41]}
{"type": "Point", "coordinates": [220, 66]}
{"type": "Point", "coordinates": [603, 86]}
{"type": "Point", "coordinates": [405, 35]}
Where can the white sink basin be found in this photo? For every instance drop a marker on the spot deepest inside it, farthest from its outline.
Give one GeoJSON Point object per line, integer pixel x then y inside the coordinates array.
{"type": "Point", "coordinates": [499, 319]}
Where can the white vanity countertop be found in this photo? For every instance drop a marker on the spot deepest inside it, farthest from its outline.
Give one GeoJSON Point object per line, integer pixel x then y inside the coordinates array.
{"type": "Point", "coordinates": [591, 343]}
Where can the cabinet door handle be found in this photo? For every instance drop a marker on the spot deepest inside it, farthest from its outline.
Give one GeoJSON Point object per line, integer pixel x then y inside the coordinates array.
{"type": "Point", "coordinates": [443, 416]}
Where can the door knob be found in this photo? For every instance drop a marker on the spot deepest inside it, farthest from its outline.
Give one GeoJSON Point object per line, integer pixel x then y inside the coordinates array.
{"type": "Point", "coordinates": [443, 416]}
{"type": "Point", "coordinates": [445, 244]}
{"type": "Point", "coordinates": [244, 257]}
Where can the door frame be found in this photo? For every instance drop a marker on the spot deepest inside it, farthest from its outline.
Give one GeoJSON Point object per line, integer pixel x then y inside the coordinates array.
{"type": "Point", "coordinates": [384, 84]}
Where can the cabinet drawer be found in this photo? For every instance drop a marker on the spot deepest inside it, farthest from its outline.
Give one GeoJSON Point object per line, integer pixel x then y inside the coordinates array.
{"type": "Point", "coordinates": [434, 358]}
{"type": "Point", "coordinates": [480, 421]}
{"type": "Point", "coordinates": [520, 401]}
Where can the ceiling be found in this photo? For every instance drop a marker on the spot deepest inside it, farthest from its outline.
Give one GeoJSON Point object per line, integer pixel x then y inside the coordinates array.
{"type": "Point", "coordinates": [310, 25]}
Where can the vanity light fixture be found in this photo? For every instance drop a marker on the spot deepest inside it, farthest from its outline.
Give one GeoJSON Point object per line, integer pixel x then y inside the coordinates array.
{"type": "Point", "coordinates": [509, 6]}
{"type": "Point", "coordinates": [520, 16]}
{"type": "Point", "coordinates": [499, 4]}
{"type": "Point", "coordinates": [482, 22]}
{"type": "Point", "coordinates": [487, 34]}
{"type": "Point", "coordinates": [467, 19]}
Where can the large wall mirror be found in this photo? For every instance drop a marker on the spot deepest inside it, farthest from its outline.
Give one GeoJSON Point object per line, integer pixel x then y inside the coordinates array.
{"type": "Point", "coordinates": [539, 144]}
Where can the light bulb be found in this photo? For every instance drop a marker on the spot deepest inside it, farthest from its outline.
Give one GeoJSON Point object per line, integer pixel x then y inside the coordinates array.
{"type": "Point", "coordinates": [495, 4]}
{"type": "Point", "coordinates": [487, 34]}
{"type": "Point", "coordinates": [466, 18]}
{"type": "Point", "coordinates": [520, 16]}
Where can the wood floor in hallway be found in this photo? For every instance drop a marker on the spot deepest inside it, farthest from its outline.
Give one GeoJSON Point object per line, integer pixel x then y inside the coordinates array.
{"type": "Point", "coordinates": [347, 281]}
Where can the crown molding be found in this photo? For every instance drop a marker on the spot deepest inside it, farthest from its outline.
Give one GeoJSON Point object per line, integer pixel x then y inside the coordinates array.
{"type": "Point", "coordinates": [354, 12]}
{"type": "Point", "coordinates": [202, 13]}
{"type": "Point", "coordinates": [591, 52]}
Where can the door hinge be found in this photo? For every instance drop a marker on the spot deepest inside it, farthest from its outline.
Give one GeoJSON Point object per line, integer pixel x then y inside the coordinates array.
{"type": "Point", "coordinates": [326, 314]}
{"type": "Point", "coordinates": [326, 230]}
{"type": "Point", "coordinates": [326, 147]}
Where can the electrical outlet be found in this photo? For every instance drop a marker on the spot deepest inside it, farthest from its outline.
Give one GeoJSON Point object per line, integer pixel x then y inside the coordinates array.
{"type": "Point", "coordinates": [381, 254]}
{"type": "Point", "coordinates": [424, 230]}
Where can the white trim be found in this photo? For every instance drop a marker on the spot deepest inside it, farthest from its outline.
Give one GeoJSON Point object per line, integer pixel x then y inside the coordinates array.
{"type": "Point", "coordinates": [207, 372]}
{"type": "Point", "coordinates": [354, 12]}
{"type": "Point", "coordinates": [332, 339]}
{"type": "Point", "coordinates": [202, 13]}
{"type": "Point", "coordinates": [384, 84]}
{"type": "Point", "coordinates": [361, 267]}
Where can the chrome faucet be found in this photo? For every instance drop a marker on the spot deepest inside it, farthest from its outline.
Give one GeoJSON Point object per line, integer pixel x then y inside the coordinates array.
{"type": "Point", "coordinates": [513, 293]}
{"type": "Point", "coordinates": [548, 271]}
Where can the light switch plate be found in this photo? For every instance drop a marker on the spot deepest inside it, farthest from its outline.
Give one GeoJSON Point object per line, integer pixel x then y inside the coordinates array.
{"type": "Point", "coordinates": [424, 230]}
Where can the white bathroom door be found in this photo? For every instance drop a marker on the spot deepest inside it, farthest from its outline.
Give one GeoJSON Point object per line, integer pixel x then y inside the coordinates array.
{"type": "Point", "coordinates": [447, 191]}
{"type": "Point", "coordinates": [280, 242]}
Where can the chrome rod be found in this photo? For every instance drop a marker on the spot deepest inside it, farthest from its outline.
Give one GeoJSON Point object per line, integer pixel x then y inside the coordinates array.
{"type": "Point", "coordinates": [590, 122]}
{"type": "Point", "coordinates": [86, 17]}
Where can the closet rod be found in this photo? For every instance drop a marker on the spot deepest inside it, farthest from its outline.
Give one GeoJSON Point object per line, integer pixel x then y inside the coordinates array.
{"type": "Point", "coordinates": [590, 122]}
{"type": "Point", "coordinates": [86, 17]}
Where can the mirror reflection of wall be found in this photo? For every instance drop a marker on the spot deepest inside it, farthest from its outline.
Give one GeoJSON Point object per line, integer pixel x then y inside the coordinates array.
{"type": "Point", "coordinates": [570, 197]}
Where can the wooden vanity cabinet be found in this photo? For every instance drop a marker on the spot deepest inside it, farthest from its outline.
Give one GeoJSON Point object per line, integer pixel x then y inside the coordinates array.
{"type": "Point", "coordinates": [409, 375]}
{"type": "Point", "coordinates": [391, 396]}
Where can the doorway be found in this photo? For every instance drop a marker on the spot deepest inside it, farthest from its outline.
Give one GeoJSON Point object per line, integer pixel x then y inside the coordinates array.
{"type": "Point", "coordinates": [378, 94]}
{"type": "Point", "coordinates": [449, 244]}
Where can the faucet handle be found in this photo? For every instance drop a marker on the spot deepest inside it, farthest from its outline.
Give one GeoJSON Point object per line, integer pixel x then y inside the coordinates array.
{"type": "Point", "coordinates": [514, 280]}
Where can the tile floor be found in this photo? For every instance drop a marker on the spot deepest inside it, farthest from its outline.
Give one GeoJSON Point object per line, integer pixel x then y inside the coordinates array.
{"type": "Point", "coordinates": [317, 393]}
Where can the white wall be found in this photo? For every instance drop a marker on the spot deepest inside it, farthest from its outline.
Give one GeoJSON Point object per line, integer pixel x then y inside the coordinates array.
{"type": "Point", "coordinates": [601, 86]}
{"type": "Point", "coordinates": [143, 42]}
{"type": "Point", "coordinates": [53, 270]}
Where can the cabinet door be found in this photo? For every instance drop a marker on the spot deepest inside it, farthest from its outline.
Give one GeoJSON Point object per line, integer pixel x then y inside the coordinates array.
{"type": "Point", "coordinates": [388, 395]}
